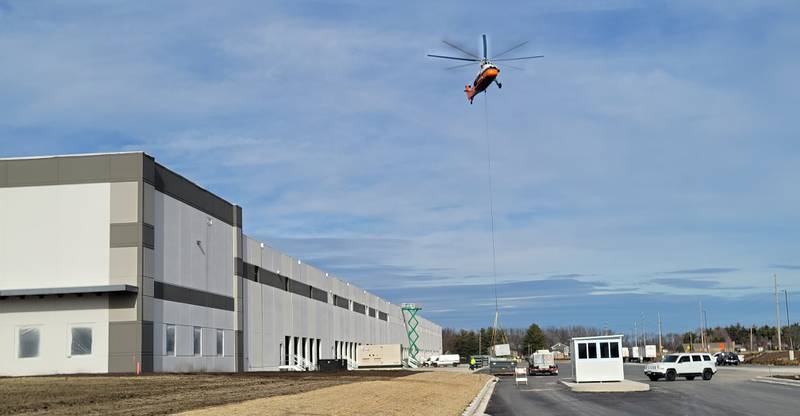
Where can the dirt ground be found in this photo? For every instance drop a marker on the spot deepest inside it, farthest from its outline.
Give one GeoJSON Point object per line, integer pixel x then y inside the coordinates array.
{"type": "Point", "coordinates": [160, 394]}
{"type": "Point", "coordinates": [424, 393]}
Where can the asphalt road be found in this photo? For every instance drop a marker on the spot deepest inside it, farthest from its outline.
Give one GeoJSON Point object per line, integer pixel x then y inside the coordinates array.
{"type": "Point", "coordinates": [729, 393]}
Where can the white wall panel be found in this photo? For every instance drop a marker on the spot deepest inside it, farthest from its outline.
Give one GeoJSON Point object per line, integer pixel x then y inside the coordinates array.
{"type": "Point", "coordinates": [54, 317]}
{"type": "Point", "coordinates": [45, 247]}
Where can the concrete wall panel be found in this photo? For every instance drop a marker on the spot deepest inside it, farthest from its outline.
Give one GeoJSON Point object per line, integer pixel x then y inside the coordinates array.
{"type": "Point", "coordinates": [79, 229]}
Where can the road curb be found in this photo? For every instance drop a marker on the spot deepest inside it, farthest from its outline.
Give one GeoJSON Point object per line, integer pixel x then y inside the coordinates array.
{"type": "Point", "coordinates": [772, 380]}
{"type": "Point", "coordinates": [481, 400]}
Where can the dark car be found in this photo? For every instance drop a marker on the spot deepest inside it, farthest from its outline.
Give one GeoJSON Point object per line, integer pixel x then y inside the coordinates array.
{"type": "Point", "coordinates": [731, 358]}
{"type": "Point", "coordinates": [727, 358]}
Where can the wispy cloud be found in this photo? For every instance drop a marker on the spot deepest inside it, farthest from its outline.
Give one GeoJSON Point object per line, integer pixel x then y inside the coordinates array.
{"type": "Point", "coordinates": [651, 137]}
{"type": "Point", "coordinates": [704, 270]}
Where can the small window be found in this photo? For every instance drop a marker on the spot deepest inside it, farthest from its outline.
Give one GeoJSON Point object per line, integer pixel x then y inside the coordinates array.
{"type": "Point", "coordinates": [604, 350]}
{"type": "Point", "coordinates": [706, 358]}
{"type": "Point", "coordinates": [220, 343]}
{"type": "Point", "coordinates": [684, 359]}
{"type": "Point", "coordinates": [383, 316]}
{"type": "Point", "coordinates": [198, 338]}
{"type": "Point", "coordinates": [170, 340]}
{"type": "Point", "coordinates": [582, 351]}
{"type": "Point", "coordinates": [372, 312]}
{"type": "Point", "coordinates": [81, 343]}
{"type": "Point", "coordinates": [696, 358]}
{"type": "Point", "coordinates": [592, 350]}
{"type": "Point", "coordinates": [28, 343]}
{"type": "Point", "coordinates": [614, 350]}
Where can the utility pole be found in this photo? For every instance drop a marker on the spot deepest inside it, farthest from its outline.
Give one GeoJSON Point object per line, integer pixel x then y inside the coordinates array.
{"type": "Point", "coordinates": [480, 349]}
{"type": "Point", "coordinates": [786, 302]}
{"type": "Point", "coordinates": [777, 312]}
{"type": "Point", "coordinates": [705, 325]}
{"type": "Point", "coordinates": [751, 338]}
{"type": "Point", "coordinates": [702, 329]}
{"type": "Point", "coordinates": [660, 346]}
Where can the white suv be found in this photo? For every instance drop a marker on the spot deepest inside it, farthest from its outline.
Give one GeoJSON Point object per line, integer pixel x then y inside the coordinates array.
{"type": "Point", "coordinates": [689, 365]}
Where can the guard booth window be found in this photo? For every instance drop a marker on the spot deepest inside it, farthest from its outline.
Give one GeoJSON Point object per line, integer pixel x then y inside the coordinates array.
{"type": "Point", "coordinates": [614, 350]}
{"type": "Point", "coordinates": [592, 350]}
{"type": "Point", "coordinates": [582, 351]}
{"type": "Point", "coordinates": [604, 350]}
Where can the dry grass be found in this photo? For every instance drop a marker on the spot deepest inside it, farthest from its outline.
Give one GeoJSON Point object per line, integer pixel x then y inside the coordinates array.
{"type": "Point", "coordinates": [159, 394]}
{"type": "Point", "coordinates": [424, 393]}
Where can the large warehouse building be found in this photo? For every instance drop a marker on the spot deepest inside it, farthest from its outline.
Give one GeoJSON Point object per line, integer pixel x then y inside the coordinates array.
{"type": "Point", "coordinates": [114, 263]}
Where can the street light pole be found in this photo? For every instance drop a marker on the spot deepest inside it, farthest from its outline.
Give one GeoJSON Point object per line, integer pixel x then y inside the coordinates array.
{"type": "Point", "coordinates": [777, 312]}
{"type": "Point", "coordinates": [786, 302]}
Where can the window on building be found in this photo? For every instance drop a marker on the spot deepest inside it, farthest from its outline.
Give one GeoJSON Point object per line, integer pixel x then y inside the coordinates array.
{"type": "Point", "coordinates": [341, 302]}
{"type": "Point", "coordinates": [198, 338]}
{"type": "Point", "coordinates": [220, 343]}
{"type": "Point", "coordinates": [592, 349]}
{"type": "Point", "coordinates": [614, 350]}
{"type": "Point", "coordinates": [604, 350]}
{"type": "Point", "coordinates": [383, 316]}
{"type": "Point", "coordinates": [582, 350]}
{"type": "Point", "coordinates": [28, 343]}
{"type": "Point", "coordinates": [319, 294]}
{"type": "Point", "coordinates": [372, 312]}
{"type": "Point", "coordinates": [81, 341]}
{"type": "Point", "coordinates": [357, 307]}
{"type": "Point", "coordinates": [170, 340]}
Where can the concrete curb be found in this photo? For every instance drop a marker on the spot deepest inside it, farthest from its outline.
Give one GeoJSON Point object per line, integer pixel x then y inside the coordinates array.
{"type": "Point", "coordinates": [624, 386]}
{"type": "Point", "coordinates": [481, 400]}
{"type": "Point", "coordinates": [773, 380]}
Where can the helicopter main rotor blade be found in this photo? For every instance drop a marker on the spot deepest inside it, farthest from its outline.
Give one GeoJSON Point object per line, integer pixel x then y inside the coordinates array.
{"type": "Point", "coordinates": [453, 57]}
{"type": "Point", "coordinates": [520, 58]}
{"type": "Point", "coordinates": [458, 48]}
{"type": "Point", "coordinates": [460, 66]}
{"type": "Point", "coordinates": [509, 50]}
{"type": "Point", "coordinates": [484, 46]}
{"type": "Point", "coordinates": [518, 68]}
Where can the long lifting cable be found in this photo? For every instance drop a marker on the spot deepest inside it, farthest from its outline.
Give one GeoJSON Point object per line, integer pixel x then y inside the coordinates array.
{"type": "Point", "coordinates": [491, 207]}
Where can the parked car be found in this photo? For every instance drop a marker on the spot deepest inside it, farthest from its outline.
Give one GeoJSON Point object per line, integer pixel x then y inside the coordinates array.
{"type": "Point", "coordinates": [445, 360]}
{"type": "Point", "coordinates": [686, 365]}
{"type": "Point", "coordinates": [429, 360]}
{"type": "Point", "coordinates": [727, 358]}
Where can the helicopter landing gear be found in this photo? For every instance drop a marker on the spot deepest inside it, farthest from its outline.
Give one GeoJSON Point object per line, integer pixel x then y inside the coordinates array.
{"type": "Point", "coordinates": [499, 85]}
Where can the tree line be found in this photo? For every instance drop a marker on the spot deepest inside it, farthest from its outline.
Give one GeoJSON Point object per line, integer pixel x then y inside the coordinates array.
{"type": "Point", "coordinates": [527, 340]}
{"type": "Point", "coordinates": [523, 340]}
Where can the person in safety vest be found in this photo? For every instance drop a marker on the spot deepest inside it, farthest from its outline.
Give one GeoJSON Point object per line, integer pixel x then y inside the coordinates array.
{"type": "Point", "coordinates": [471, 363]}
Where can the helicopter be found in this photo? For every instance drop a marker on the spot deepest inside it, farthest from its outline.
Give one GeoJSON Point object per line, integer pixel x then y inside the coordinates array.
{"type": "Point", "coordinates": [489, 71]}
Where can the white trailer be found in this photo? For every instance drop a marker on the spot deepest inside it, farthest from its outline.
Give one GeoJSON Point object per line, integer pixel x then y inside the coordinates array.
{"type": "Point", "coordinates": [384, 355]}
{"type": "Point", "coordinates": [542, 362]}
{"type": "Point", "coordinates": [649, 353]}
{"type": "Point", "coordinates": [636, 355]}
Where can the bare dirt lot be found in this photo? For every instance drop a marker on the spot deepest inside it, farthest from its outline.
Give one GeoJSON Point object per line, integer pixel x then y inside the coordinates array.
{"type": "Point", "coordinates": [160, 394]}
{"type": "Point", "coordinates": [424, 393]}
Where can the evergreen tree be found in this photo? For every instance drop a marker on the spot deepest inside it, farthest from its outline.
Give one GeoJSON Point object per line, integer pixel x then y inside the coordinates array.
{"type": "Point", "coordinates": [534, 339]}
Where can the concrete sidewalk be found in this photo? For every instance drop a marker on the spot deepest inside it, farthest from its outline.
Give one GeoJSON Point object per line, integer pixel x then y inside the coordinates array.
{"type": "Point", "coordinates": [624, 386]}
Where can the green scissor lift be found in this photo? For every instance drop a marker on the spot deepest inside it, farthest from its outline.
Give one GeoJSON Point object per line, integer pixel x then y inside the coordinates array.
{"type": "Point", "coordinates": [410, 316]}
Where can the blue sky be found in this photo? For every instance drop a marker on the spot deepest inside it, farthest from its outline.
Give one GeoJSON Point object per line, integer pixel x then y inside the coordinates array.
{"type": "Point", "coordinates": [648, 162]}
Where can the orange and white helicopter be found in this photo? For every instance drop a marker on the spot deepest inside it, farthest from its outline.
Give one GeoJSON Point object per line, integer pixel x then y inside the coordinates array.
{"type": "Point", "coordinates": [489, 70]}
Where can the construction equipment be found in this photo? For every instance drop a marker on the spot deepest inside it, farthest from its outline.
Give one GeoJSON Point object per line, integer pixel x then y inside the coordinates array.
{"type": "Point", "coordinates": [410, 319]}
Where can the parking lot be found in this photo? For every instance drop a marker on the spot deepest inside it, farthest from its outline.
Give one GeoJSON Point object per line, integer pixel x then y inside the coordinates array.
{"type": "Point", "coordinates": [730, 392]}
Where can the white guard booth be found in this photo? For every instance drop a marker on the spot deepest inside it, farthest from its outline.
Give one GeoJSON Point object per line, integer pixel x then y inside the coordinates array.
{"type": "Point", "coordinates": [597, 359]}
